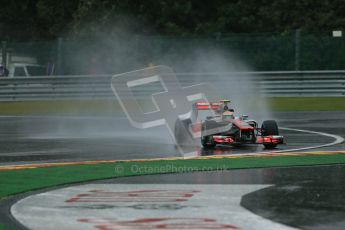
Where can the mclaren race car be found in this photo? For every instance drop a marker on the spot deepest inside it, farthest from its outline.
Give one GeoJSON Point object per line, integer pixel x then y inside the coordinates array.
{"type": "Point", "coordinates": [224, 128]}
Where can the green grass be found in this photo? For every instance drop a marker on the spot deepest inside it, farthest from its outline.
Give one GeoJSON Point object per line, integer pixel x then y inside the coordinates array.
{"type": "Point", "coordinates": [307, 103]}
{"type": "Point", "coordinates": [3, 227]}
{"type": "Point", "coordinates": [57, 107]}
{"type": "Point", "coordinates": [110, 107]}
{"type": "Point", "coordinates": [18, 181]}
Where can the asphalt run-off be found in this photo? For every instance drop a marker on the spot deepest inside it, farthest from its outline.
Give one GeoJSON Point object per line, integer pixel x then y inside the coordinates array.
{"type": "Point", "coordinates": [141, 206]}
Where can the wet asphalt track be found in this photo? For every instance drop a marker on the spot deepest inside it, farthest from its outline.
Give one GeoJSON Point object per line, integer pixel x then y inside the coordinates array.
{"type": "Point", "coordinates": [302, 197]}
{"type": "Point", "coordinates": [58, 139]}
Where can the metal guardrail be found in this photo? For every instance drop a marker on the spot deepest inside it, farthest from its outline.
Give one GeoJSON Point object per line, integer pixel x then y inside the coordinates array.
{"type": "Point", "coordinates": [280, 84]}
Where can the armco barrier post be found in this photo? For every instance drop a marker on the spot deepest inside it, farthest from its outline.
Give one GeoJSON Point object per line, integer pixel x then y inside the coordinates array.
{"type": "Point", "coordinates": [297, 49]}
{"type": "Point", "coordinates": [4, 53]}
{"type": "Point", "coordinates": [59, 57]}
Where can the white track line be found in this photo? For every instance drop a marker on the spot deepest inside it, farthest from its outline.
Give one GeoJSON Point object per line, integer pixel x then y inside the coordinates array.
{"type": "Point", "coordinates": [210, 206]}
{"type": "Point", "coordinates": [338, 140]}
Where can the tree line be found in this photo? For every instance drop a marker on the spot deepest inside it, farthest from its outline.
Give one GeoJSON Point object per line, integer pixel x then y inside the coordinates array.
{"type": "Point", "coordinates": [48, 19]}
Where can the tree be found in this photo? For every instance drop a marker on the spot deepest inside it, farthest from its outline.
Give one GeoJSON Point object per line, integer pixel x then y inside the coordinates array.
{"type": "Point", "coordinates": [48, 19]}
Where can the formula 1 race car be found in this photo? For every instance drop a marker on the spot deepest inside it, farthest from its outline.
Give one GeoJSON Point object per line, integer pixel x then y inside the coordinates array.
{"type": "Point", "coordinates": [224, 128]}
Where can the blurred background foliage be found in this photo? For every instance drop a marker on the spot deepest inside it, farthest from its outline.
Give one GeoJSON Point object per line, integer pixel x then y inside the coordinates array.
{"type": "Point", "coordinates": [49, 19]}
{"type": "Point", "coordinates": [120, 35]}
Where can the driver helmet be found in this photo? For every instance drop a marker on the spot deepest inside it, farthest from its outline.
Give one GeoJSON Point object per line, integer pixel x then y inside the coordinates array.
{"type": "Point", "coordinates": [228, 115]}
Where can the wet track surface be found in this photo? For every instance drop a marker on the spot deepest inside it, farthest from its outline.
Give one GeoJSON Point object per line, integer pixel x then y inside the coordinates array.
{"type": "Point", "coordinates": [303, 197]}
{"type": "Point", "coordinates": [58, 139]}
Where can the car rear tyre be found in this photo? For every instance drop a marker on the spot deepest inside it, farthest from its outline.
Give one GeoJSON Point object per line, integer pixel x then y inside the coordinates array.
{"type": "Point", "coordinates": [207, 142]}
{"type": "Point", "coordinates": [181, 132]}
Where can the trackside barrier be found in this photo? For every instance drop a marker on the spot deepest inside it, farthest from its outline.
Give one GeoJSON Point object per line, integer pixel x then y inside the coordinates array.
{"type": "Point", "coordinates": [274, 84]}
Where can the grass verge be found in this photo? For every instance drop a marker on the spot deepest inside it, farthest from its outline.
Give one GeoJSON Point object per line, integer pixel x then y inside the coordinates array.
{"type": "Point", "coordinates": [19, 181]}
{"type": "Point", "coordinates": [60, 107]}
{"type": "Point", "coordinates": [111, 107]}
{"type": "Point", "coordinates": [307, 103]}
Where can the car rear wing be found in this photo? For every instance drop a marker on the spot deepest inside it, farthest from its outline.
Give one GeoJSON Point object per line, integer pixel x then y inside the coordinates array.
{"type": "Point", "coordinates": [208, 105]}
